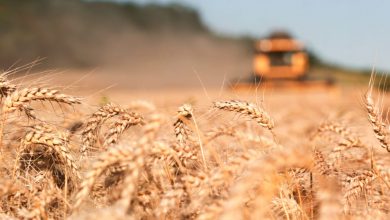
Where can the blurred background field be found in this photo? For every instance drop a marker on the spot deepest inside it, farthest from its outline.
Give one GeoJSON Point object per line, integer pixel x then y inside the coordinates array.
{"type": "Point", "coordinates": [144, 44]}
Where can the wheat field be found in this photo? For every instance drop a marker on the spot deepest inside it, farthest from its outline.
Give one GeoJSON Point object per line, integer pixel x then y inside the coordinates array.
{"type": "Point", "coordinates": [224, 155]}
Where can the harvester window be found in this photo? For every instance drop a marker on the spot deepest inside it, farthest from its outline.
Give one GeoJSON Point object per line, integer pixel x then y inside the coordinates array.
{"type": "Point", "coordinates": [280, 58]}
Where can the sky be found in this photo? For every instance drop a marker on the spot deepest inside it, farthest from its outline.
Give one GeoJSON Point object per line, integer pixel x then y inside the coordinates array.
{"type": "Point", "coordinates": [354, 33]}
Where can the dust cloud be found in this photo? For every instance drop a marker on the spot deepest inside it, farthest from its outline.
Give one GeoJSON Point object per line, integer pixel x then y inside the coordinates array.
{"type": "Point", "coordinates": [137, 60]}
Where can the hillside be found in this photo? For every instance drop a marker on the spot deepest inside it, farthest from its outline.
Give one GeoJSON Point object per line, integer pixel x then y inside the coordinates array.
{"type": "Point", "coordinates": [72, 32]}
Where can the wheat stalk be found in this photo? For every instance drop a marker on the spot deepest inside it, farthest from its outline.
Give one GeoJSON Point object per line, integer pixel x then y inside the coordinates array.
{"type": "Point", "coordinates": [131, 178]}
{"type": "Point", "coordinates": [322, 167]}
{"type": "Point", "coordinates": [329, 198]}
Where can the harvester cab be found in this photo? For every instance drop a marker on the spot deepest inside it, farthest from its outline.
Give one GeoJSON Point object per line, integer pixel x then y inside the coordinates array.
{"type": "Point", "coordinates": [279, 56]}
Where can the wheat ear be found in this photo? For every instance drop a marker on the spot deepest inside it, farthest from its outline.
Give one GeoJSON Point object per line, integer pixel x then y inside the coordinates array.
{"type": "Point", "coordinates": [341, 130]}
{"type": "Point", "coordinates": [6, 88]}
{"type": "Point", "coordinates": [248, 109]}
{"type": "Point", "coordinates": [93, 124]}
{"type": "Point", "coordinates": [126, 120]}
{"type": "Point", "coordinates": [112, 157]}
{"type": "Point", "coordinates": [378, 125]}
{"type": "Point", "coordinates": [355, 185]}
{"type": "Point", "coordinates": [185, 114]}
{"type": "Point", "coordinates": [58, 143]}
{"type": "Point", "coordinates": [182, 130]}
{"type": "Point", "coordinates": [233, 207]}
{"type": "Point", "coordinates": [18, 99]}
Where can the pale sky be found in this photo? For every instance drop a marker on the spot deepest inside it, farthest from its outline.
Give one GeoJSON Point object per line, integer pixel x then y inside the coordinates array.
{"type": "Point", "coordinates": [354, 33]}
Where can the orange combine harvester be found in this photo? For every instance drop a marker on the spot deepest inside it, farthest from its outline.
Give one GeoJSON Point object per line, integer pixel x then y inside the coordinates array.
{"type": "Point", "coordinates": [281, 61]}
{"type": "Point", "coordinates": [280, 57]}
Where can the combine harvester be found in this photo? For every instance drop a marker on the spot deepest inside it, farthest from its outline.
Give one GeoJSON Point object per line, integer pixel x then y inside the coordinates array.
{"type": "Point", "coordinates": [281, 61]}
